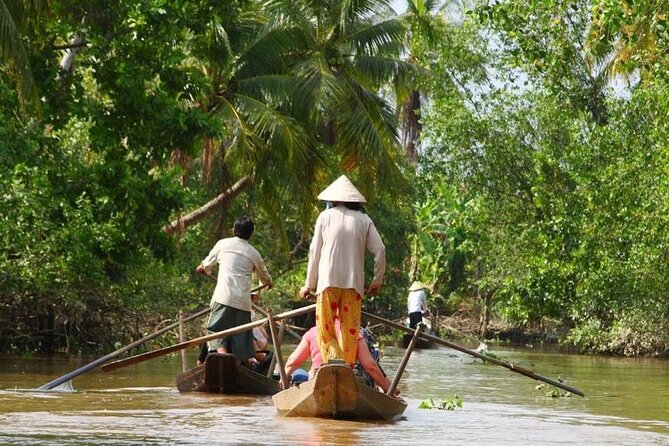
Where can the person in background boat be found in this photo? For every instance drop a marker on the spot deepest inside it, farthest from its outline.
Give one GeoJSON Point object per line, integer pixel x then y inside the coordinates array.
{"type": "Point", "coordinates": [417, 303]}
{"type": "Point", "coordinates": [336, 268]}
{"type": "Point", "coordinates": [231, 302]}
{"type": "Point", "coordinates": [262, 358]}
{"type": "Point", "coordinates": [308, 348]}
{"type": "Point", "coordinates": [260, 336]}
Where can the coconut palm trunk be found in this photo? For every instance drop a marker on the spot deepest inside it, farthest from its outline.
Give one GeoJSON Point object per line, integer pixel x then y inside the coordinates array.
{"type": "Point", "coordinates": [182, 223]}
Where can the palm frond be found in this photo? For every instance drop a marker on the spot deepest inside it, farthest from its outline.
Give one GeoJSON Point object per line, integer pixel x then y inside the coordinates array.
{"type": "Point", "coordinates": [13, 51]}
{"type": "Point", "coordinates": [319, 87]}
{"type": "Point", "coordinates": [367, 132]}
{"type": "Point", "coordinates": [220, 49]}
{"type": "Point", "coordinates": [269, 53]}
{"type": "Point", "coordinates": [362, 10]}
{"type": "Point", "coordinates": [279, 130]}
{"type": "Point", "coordinates": [387, 36]}
{"type": "Point", "coordinates": [278, 90]}
{"type": "Point", "coordinates": [377, 70]}
{"type": "Point", "coordinates": [26, 12]}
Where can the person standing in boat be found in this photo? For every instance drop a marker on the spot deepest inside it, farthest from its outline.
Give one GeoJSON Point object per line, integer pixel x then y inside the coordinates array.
{"type": "Point", "coordinates": [417, 303]}
{"type": "Point", "coordinates": [231, 302]}
{"type": "Point", "coordinates": [342, 234]}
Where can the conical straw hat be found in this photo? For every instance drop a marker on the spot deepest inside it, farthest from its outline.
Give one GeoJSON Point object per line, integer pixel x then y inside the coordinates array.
{"type": "Point", "coordinates": [342, 190]}
{"type": "Point", "coordinates": [417, 286]}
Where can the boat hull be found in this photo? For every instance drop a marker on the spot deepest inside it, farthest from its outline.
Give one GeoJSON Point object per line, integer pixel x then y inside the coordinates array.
{"type": "Point", "coordinates": [336, 393]}
{"type": "Point", "coordinates": [223, 373]}
{"type": "Point", "coordinates": [420, 343]}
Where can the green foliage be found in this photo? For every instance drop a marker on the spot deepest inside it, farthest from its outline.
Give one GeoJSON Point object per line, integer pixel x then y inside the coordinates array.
{"type": "Point", "coordinates": [390, 337]}
{"type": "Point", "coordinates": [448, 403]}
{"type": "Point", "coordinates": [164, 104]}
{"type": "Point", "coordinates": [540, 191]}
{"type": "Point", "coordinates": [571, 209]}
{"type": "Point", "coordinates": [631, 35]}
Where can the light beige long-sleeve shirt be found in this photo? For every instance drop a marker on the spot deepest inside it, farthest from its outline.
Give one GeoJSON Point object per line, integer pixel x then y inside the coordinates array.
{"type": "Point", "coordinates": [237, 261]}
{"type": "Point", "coordinates": [337, 251]}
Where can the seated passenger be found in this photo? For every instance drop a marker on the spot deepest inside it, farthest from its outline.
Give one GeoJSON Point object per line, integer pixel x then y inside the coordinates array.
{"type": "Point", "coordinates": [308, 348]}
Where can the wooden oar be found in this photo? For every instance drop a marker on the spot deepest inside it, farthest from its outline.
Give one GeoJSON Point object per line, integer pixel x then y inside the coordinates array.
{"type": "Point", "coordinates": [514, 368]}
{"type": "Point", "coordinates": [405, 361]}
{"type": "Point", "coordinates": [91, 365]}
{"type": "Point", "coordinates": [197, 341]}
{"type": "Point", "coordinates": [73, 374]}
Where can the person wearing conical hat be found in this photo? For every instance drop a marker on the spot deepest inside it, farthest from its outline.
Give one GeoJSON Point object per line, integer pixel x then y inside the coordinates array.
{"type": "Point", "coordinates": [335, 271]}
{"type": "Point", "coordinates": [417, 303]}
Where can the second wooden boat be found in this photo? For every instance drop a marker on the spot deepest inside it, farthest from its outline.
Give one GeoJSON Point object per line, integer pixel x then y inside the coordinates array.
{"type": "Point", "coordinates": [335, 392]}
{"type": "Point", "coordinates": [420, 343]}
{"type": "Point", "coordinates": [223, 373]}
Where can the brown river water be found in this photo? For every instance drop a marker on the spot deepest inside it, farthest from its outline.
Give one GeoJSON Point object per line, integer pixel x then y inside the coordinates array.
{"type": "Point", "coordinates": [627, 403]}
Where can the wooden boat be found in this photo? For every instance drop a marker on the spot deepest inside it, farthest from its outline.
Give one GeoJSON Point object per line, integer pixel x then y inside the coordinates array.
{"type": "Point", "coordinates": [223, 373]}
{"type": "Point", "coordinates": [421, 343]}
{"type": "Point", "coordinates": [336, 393]}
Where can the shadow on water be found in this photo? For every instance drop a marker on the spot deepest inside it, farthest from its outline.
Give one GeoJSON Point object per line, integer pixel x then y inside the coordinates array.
{"type": "Point", "coordinates": [626, 405]}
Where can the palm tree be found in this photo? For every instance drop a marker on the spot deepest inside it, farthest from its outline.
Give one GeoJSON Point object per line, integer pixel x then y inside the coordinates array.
{"type": "Point", "coordinates": [629, 38]}
{"type": "Point", "coordinates": [423, 19]}
{"type": "Point", "coordinates": [301, 92]}
{"type": "Point", "coordinates": [16, 16]}
{"type": "Point", "coordinates": [258, 142]}
{"type": "Point", "coordinates": [346, 53]}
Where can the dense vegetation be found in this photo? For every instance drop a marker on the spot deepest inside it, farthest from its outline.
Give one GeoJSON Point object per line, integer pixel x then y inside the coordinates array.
{"type": "Point", "coordinates": [514, 155]}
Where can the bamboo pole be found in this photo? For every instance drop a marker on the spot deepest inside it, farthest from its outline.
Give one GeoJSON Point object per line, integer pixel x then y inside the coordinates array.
{"type": "Point", "coordinates": [405, 360]}
{"type": "Point", "coordinates": [285, 327]}
{"type": "Point", "coordinates": [73, 374]}
{"type": "Point", "coordinates": [277, 350]}
{"type": "Point", "coordinates": [513, 367]}
{"type": "Point", "coordinates": [184, 366]}
{"type": "Point", "coordinates": [221, 334]}
{"type": "Point", "coordinates": [272, 363]}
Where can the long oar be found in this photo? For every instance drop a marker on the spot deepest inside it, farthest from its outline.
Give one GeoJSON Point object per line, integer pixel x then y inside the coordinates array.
{"type": "Point", "coordinates": [102, 360]}
{"type": "Point", "coordinates": [91, 365]}
{"type": "Point", "coordinates": [197, 341]}
{"type": "Point", "coordinates": [514, 368]}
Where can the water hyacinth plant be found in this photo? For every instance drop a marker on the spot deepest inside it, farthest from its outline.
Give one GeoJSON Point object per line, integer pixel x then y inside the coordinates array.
{"type": "Point", "coordinates": [448, 403]}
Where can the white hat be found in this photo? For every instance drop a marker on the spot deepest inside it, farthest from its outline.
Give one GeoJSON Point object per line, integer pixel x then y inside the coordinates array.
{"type": "Point", "coordinates": [417, 285]}
{"type": "Point", "coordinates": [342, 190]}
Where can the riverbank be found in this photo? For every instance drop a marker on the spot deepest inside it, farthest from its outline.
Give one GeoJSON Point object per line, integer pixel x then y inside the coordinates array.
{"type": "Point", "coordinates": [625, 342]}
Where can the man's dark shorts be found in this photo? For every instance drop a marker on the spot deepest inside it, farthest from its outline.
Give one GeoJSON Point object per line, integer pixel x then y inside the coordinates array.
{"type": "Point", "coordinates": [223, 317]}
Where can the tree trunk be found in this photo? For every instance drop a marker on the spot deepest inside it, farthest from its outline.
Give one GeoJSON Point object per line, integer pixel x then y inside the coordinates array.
{"type": "Point", "coordinates": [485, 314]}
{"type": "Point", "coordinates": [411, 126]}
{"type": "Point", "coordinates": [182, 223]}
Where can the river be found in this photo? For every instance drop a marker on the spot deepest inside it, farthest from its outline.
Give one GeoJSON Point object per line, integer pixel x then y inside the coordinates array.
{"type": "Point", "coordinates": [626, 404]}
